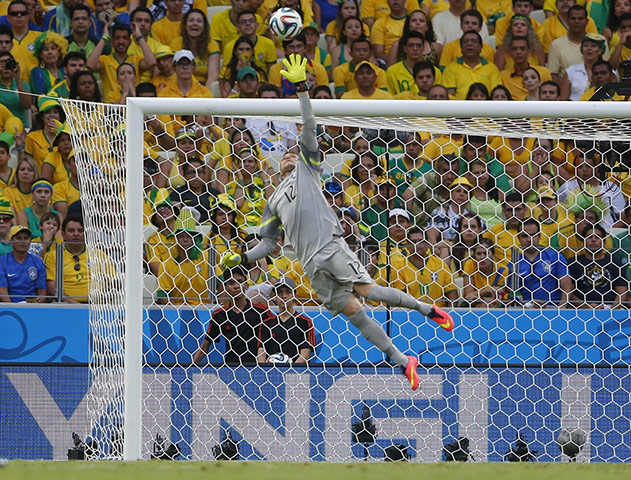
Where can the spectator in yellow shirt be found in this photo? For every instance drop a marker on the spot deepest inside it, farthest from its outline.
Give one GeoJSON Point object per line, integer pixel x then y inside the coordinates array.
{"type": "Point", "coordinates": [428, 277]}
{"type": "Point", "coordinates": [513, 78]}
{"type": "Point", "coordinates": [469, 20]}
{"type": "Point", "coordinates": [621, 50]}
{"type": "Point", "coordinates": [372, 10]}
{"type": "Point", "coordinates": [223, 25]}
{"type": "Point", "coordinates": [168, 28]}
{"type": "Point", "coordinates": [400, 76]}
{"type": "Point", "coordinates": [557, 25]}
{"type": "Point", "coordinates": [297, 46]}
{"type": "Point", "coordinates": [166, 71]}
{"type": "Point", "coordinates": [334, 30]}
{"type": "Point", "coordinates": [549, 214]}
{"type": "Point", "coordinates": [388, 28]}
{"type": "Point", "coordinates": [107, 65]}
{"type": "Point", "coordinates": [126, 80]}
{"type": "Point", "coordinates": [504, 235]}
{"type": "Point", "coordinates": [366, 77]}
{"type": "Point", "coordinates": [520, 27]}
{"type": "Point", "coordinates": [143, 21]}
{"type": "Point", "coordinates": [424, 74]}
{"type": "Point", "coordinates": [264, 51]}
{"type": "Point", "coordinates": [351, 31]}
{"type": "Point", "coordinates": [18, 16]}
{"type": "Point", "coordinates": [39, 143]}
{"type": "Point", "coordinates": [470, 68]}
{"type": "Point", "coordinates": [484, 278]}
{"type": "Point", "coordinates": [185, 85]}
{"type": "Point", "coordinates": [602, 73]}
{"type": "Point", "coordinates": [194, 35]}
{"type": "Point", "coordinates": [344, 75]}
{"type": "Point", "coordinates": [418, 21]}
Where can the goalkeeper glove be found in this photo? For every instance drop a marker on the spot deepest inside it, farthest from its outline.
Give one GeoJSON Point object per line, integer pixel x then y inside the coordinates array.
{"type": "Point", "coordinates": [230, 259]}
{"type": "Point", "coordinates": [296, 71]}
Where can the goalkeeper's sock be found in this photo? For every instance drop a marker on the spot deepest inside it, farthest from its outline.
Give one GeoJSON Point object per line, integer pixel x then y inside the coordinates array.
{"type": "Point", "coordinates": [376, 335]}
{"type": "Point", "coordinates": [397, 298]}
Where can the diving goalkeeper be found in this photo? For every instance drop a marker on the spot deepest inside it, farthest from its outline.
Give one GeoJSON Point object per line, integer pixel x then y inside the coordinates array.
{"type": "Point", "coordinates": [311, 226]}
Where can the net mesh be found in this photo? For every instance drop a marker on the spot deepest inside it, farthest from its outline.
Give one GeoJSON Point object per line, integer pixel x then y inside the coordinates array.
{"type": "Point", "coordinates": [438, 208]}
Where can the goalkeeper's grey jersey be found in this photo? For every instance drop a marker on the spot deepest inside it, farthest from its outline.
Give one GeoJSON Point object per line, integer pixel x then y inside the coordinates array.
{"type": "Point", "coordinates": [298, 205]}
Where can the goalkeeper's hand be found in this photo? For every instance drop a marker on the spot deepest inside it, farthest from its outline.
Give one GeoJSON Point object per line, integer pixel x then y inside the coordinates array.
{"type": "Point", "coordinates": [296, 69]}
{"type": "Point", "coordinates": [230, 259]}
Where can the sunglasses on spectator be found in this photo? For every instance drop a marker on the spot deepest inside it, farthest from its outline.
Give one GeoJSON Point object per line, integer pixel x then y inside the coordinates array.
{"type": "Point", "coordinates": [77, 266]}
{"type": "Point", "coordinates": [19, 13]}
{"type": "Point", "coordinates": [5, 219]}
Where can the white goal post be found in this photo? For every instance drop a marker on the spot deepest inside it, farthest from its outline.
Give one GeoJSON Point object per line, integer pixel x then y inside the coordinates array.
{"type": "Point", "coordinates": [609, 121]}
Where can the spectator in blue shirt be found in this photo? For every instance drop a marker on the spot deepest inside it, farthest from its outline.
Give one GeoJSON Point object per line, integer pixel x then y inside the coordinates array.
{"type": "Point", "coordinates": [22, 274]}
{"type": "Point", "coordinates": [542, 273]}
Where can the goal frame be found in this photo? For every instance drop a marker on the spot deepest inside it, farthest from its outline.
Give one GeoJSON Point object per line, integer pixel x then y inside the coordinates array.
{"type": "Point", "coordinates": [137, 108]}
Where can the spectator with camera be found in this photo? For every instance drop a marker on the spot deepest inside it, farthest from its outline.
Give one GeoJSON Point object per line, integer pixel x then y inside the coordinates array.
{"type": "Point", "coordinates": [237, 320]}
{"type": "Point", "coordinates": [598, 276]}
{"type": "Point", "coordinates": [14, 93]}
{"type": "Point", "coordinates": [22, 274]}
{"type": "Point", "coordinates": [287, 333]}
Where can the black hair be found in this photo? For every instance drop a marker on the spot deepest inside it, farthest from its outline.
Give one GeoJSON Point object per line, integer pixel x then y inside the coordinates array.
{"type": "Point", "coordinates": [5, 145]}
{"type": "Point", "coordinates": [598, 228]}
{"type": "Point", "coordinates": [73, 56]}
{"type": "Point", "coordinates": [229, 273]}
{"type": "Point", "coordinates": [513, 197]}
{"type": "Point", "coordinates": [522, 38]}
{"type": "Point", "coordinates": [231, 67]}
{"type": "Point", "coordinates": [553, 83]}
{"type": "Point", "coordinates": [471, 13]}
{"type": "Point", "coordinates": [146, 87]}
{"type": "Point", "coordinates": [268, 87]}
{"type": "Point", "coordinates": [471, 32]}
{"type": "Point", "coordinates": [119, 27]}
{"type": "Point", "coordinates": [78, 8]}
{"type": "Point", "coordinates": [530, 221]}
{"type": "Point", "coordinates": [478, 87]}
{"type": "Point", "coordinates": [322, 88]}
{"type": "Point", "coordinates": [579, 8]}
{"type": "Point", "coordinates": [423, 65]}
{"type": "Point", "coordinates": [71, 218]}
{"type": "Point", "coordinates": [6, 30]}
{"type": "Point", "coordinates": [132, 15]}
{"type": "Point", "coordinates": [600, 62]}
{"type": "Point", "coordinates": [504, 89]}
{"type": "Point", "coordinates": [355, 164]}
{"type": "Point", "coordinates": [245, 12]}
{"type": "Point", "coordinates": [74, 81]}
{"type": "Point", "coordinates": [300, 37]}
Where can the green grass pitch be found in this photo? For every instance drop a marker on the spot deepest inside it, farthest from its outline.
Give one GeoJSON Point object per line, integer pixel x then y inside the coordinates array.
{"type": "Point", "coordinates": [154, 470]}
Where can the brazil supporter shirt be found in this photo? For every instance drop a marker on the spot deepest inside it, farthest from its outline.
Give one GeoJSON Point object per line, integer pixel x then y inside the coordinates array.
{"type": "Point", "coordinates": [540, 279]}
{"type": "Point", "coordinates": [22, 280]}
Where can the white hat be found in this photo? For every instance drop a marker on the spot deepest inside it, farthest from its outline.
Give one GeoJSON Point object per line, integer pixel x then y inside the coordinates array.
{"type": "Point", "coordinates": [399, 212]}
{"type": "Point", "coordinates": [180, 54]}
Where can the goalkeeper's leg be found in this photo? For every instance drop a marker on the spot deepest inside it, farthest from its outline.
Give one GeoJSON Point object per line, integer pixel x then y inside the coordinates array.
{"type": "Point", "coordinates": [375, 334]}
{"type": "Point", "coordinates": [397, 298]}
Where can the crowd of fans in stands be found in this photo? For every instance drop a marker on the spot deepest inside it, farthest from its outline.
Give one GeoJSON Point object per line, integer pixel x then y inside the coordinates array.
{"type": "Point", "coordinates": [525, 220]}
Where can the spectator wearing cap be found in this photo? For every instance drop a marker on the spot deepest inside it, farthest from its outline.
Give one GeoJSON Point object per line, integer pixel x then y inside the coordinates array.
{"type": "Point", "coordinates": [225, 233]}
{"type": "Point", "coordinates": [313, 51]}
{"type": "Point", "coordinates": [375, 216]}
{"type": "Point", "coordinates": [41, 192]}
{"type": "Point", "coordinates": [252, 186]}
{"type": "Point", "coordinates": [107, 65]}
{"type": "Point", "coordinates": [366, 80]}
{"type": "Point", "coordinates": [6, 172]}
{"type": "Point", "coordinates": [238, 320]}
{"type": "Point", "coordinates": [344, 74]}
{"type": "Point", "coordinates": [196, 193]}
{"type": "Point", "coordinates": [66, 192]}
{"type": "Point", "coordinates": [334, 194]}
{"type": "Point", "coordinates": [77, 272]}
{"type": "Point", "coordinates": [549, 213]}
{"type": "Point", "coordinates": [393, 250]}
{"type": "Point", "coordinates": [22, 274]}
{"type": "Point", "coordinates": [445, 217]}
{"type": "Point", "coordinates": [578, 76]}
{"type": "Point", "coordinates": [160, 244]}
{"type": "Point", "coordinates": [166, 70]}
{"type": "Point", "coordinates": [599, 280]}
{"type": "Point", "coordinates": [183, 278]}
{"type": "Point", "coordinates": [484, 278]}
{"type": "Point", "coordinates": [73, 62]}
{"type": "Point", "coordinates": [264, 54]}
{"type": "Point", "coordinates": [427, 276]}
{"type": "Point", "coordinates": [6, 220]}
{"type": "Point", "coordinates": [39, 143]}
{"type": "Point", "coordinates": [471, 68]}
{"type": "Point", "coordinates": [287, 332]}
{"type": "Point", "coordinates": [184, 85]}
{"type": "Point", "coordinates": [247, 83]}
{"type": "Point", "coordinates": [542, 275]}
{"type": "Point", "coordinates": [297, 46]}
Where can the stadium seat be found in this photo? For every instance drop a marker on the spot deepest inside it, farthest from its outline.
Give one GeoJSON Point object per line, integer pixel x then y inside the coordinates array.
{"type": "Point", "coordinates": [538, 15]}
{"type": "Point", "coordinates": [322, 42]}
{"type": "Point", "coordinates": [215, 89]}
{"type": "Point", "coordinates": [150, 287]}
{"type": "Point", "coordinates": [211, 11]}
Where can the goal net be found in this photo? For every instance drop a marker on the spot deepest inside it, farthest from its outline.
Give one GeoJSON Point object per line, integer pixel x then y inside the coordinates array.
{"type": "Point", "coordinates": [513, 216]}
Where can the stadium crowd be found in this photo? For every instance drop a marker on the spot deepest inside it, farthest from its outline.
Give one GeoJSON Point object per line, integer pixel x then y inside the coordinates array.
{"type": "Point", "coordinates": [459, 220]}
